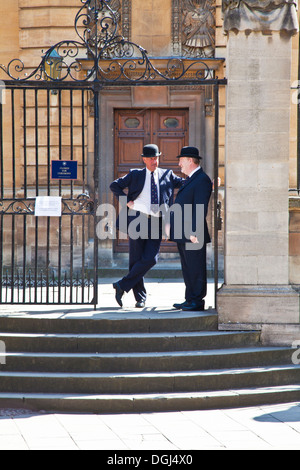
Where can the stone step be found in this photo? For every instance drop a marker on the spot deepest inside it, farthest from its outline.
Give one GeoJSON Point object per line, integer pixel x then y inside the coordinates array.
{"type": "Point", "coordinates": [146, 361]}
{"type": "Point", "coordinates": [128, 361]}
{"type": "Point", "coordinates": [112, 322]}
{"type": "Point", "coordinates": [126, 342]}
{"type": "Point", "coordinates": [159, 382]}
{"type": "Point", "coordinates": [142, 403]}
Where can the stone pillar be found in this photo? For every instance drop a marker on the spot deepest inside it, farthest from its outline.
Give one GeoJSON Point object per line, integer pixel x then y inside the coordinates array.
{"type": "Point", "coordinates": [256, 293]}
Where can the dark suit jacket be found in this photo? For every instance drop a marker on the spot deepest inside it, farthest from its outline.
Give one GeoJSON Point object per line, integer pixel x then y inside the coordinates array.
{"type": "Point", "coordinates": [134, 182]}
{"type": "Point", "coordinates": [196, 190]}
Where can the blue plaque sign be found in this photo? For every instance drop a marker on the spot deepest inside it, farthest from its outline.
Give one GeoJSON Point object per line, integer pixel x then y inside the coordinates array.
{"type": "Point", "coordinates": [64, 170]}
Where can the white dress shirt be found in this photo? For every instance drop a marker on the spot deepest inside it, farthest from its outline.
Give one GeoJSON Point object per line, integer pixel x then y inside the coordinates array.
{"type": "Point", "coordinates": [194, 171]}
{"type": "Point", "coordinates": [143, 202]}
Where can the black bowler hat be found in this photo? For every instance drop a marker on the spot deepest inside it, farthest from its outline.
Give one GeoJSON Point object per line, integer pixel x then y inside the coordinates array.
{"type": "Point", "coordinates": [151, 150]}
{"type": "Point", "coordinates": [191, 152]}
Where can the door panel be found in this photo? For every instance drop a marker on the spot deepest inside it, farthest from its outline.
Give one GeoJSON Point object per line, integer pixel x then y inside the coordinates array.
{"type": "Point", "coordinates": [129, 150]}
{"type": "Point", "coordinates": [134, 128]}
{"type": "Point", "coordinates": [130, 134]}
{"type": "Point", "coordinates": [170, 132]}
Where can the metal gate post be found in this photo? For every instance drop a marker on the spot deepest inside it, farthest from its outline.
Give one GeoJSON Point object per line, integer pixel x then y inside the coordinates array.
{"type": "Point", "coordinates": [216, 191]}
{"type": "Point", "coordinates": [96, 89]}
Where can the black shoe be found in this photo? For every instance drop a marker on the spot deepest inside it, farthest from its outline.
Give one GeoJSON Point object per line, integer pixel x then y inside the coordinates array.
{"type": "Point", "coordinates": [193, 307]}
{"type": "Point", "coordinates": [179, 306]}
{"type": "Point", "coordinates": [119, 293]}
{"type": "Point", "coordinates": [140, 304]}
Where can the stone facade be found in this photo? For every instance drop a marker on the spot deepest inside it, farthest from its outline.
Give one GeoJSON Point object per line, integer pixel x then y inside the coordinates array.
{"type": "Point", "coordinates": [257, 292]}
{"type": "Point", "coordinates": [262, 16]}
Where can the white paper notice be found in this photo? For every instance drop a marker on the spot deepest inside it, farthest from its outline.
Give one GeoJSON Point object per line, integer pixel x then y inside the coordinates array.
{"type": "Point", "coordinates": [48, 206]}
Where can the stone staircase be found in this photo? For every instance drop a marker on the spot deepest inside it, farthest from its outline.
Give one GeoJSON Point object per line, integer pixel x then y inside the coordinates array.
{"type": "Point", "coordinates": [139, 363]}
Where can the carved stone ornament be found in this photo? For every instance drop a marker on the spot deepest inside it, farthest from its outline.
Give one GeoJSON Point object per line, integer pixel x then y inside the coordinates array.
{"type": "Point", "coordinates": [264, 15]}
{"type": "Point", "coordinates": [198, 28]}
{"type": "Point", "coordinates": [121, 11]}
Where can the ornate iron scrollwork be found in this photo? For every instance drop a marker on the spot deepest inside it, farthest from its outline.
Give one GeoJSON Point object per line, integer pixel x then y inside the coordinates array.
{"type": "Point", "coordinates": [17, 207]}
{"type": "Point", "coordinates": [113, 57]}
{"type": "Point", "coordinates": [83, 204]}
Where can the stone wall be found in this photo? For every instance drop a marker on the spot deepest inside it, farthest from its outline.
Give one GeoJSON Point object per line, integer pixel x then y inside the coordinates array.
{"type": "Point", "coordinates": [294, 205]}
{"type": "Point", "coordinates": [43, 23]}
{"type": "Point", "coordinates": [294, 240]}
{"type": "Point", "coordinates": [257, 292]}
{"type": "Point", "coordinates": [9, 32]}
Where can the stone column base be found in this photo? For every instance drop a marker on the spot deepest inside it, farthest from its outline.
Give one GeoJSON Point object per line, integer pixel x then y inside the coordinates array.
{"type": "Point", "coordinates": [275, 310]}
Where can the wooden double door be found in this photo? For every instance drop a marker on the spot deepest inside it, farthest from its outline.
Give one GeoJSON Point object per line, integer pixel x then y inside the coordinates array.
{"type": "Point", "coordinates": [134, 128]}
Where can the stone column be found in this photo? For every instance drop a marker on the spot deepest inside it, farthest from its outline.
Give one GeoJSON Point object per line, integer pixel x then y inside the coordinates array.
{"type": "Point", "coordinates": [256, 292]}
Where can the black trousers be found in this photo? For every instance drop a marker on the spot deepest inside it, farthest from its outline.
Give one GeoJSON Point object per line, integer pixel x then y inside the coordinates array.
{"type": "Point", "coordinates": [143, 255]}
{"type": "Point", "coordinates": [193, 265]}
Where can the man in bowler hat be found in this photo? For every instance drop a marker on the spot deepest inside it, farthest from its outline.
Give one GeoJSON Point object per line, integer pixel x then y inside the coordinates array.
{"type": "Point", "coordinates": [147, 190]}
{"type": "Point", "coordinates": [193, 198]}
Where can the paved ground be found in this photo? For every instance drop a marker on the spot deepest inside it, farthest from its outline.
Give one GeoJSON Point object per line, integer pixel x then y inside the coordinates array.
{"type": "Point", "coordinates": [275, 427]}
{"type": "Point", "coordinates": [161, 294]}
{"type": "Point", "coordinates": [265, 427]}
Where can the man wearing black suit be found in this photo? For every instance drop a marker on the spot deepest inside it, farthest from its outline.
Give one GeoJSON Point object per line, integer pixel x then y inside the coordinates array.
{"type": "Point", "coordinates": [190, 231]}
{"type": "Point", "coordinates": [147, 190]}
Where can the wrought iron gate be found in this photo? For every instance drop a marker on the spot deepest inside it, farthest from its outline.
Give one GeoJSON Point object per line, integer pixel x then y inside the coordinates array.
{"type": "Point", "coordinates": [52, 115]}
{"type": "Point", "coordinates": [45, 258]}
